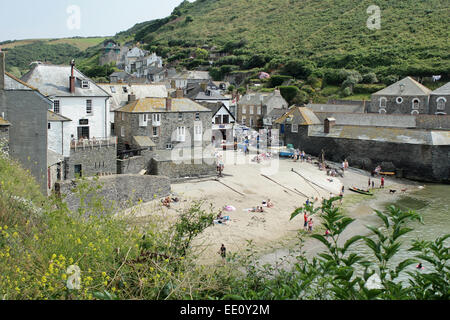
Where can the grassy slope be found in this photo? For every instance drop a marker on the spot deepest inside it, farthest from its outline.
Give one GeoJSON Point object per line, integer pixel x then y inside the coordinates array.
{"type": "Point", "coordinates": [324, 30]}
{"type": "Point", "coordinates": [80, 43]}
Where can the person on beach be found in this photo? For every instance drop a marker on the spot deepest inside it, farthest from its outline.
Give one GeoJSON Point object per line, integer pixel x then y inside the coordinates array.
{"type": "Point", "coordinates": [269, 204]}
{"type": "Point", "coordinates": [382, 182]}
{"type": "Point", "coordinates": [369, 182]}
{"type": "Point", "coordinates": [327, 233]}
{"type": "Point", "coordinates": [307, 202]}
{"type": "Point", "coordinates": [223, 252]}
{"type": "Point", "coordinates": [305, 225]}
{"type": "Point", "coordinates": [310, 225]}
{"type": "Point", "coordinates": [373, 184]}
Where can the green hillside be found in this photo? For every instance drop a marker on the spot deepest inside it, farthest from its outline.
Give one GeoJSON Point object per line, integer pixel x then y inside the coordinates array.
{"type": "Point", "coordinates": [413, 39]}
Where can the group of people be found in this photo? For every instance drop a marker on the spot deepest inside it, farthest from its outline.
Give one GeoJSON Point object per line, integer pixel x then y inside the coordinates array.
{"type": "Point", "coordinates": [308, 223]}
{"type": "Point", "coordinates": [261, 157]}
{"type": "Point", "coordinates": [168, 200]}
{"type": "Point", "coordinates": [371, 183]}
{"type": "Point", "coordinates": [299, 155]}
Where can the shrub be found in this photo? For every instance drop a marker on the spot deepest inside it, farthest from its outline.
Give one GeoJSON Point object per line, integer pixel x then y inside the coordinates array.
{"type": "Point", "coordinates": [370, 78]}
{"type": "Point", "coordinates": [289, 93]}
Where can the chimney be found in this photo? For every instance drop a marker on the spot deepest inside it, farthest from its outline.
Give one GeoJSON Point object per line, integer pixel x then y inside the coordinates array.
{"type": "Point", "coordinates": [131, 97]}
{"type": "Point", "coordinates": [72, 78]}
{"type": "Point", "coordinates": [168, 104]}
{"type": "Point", "coordinates": [329, 123]}
{"type": "Point", "coordinates": [2, 70]}
{"type": "Point", "coordinates": [180, 93]}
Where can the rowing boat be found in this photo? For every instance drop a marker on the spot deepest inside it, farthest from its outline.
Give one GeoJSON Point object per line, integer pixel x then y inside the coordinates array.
{"type": "Point", "coordinates": [387, 173]}
{"type": "Point", "coordinates": [366, 192]}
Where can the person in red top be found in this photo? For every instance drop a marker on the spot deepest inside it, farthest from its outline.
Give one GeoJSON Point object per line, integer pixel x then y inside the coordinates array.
{"type": "Point", "coordinates": [306, 221]}
{"type": "Point", "coordinates": [382, 182]}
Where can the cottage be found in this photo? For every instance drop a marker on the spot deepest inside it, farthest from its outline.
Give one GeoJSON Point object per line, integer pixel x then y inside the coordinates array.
{"type": "Point", "coordinates": [254, 107]}
{"type": "Point", "coordinates": [440, 100]}
{"type": "Point", "coordinates": [223, 121]}
{"type": "Point", "coordinates": [24, 108]}
{"type": "Point", "coordinates": [406, 96]}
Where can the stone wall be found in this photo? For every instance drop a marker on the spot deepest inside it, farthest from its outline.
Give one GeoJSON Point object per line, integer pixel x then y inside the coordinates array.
{"type": "Point", "coordinates": [175, 171]}
{"type": "Point", "coordinates": [403, 108]}
{"type": "Point", "coordinates": [417, 162]}
{"type": "Point", "coordinates": [433, 104]}
{"type": "Point", "coordinates": [4, 138]}
{"type": "Point", "coordinates": [433, 122]}
{"type": "Point", "coordinates": [122, 190]}
{"type": "Point", "coordinates": [134, 165]}
{"type": "Point", "coordinates": [93, 160]}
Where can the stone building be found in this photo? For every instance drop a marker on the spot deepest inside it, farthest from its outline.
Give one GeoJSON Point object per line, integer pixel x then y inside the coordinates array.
{"type": "Point", "coordinates": [168, 130]}
{"type": "Point", "coordinates": [254, 107]}
{"type": "Point", "coordinates": [406, 96]}
{"type": "Point", "coordinates": [406, 144]}
{"type": "Point", "coordinates": [25, 108]}
{"type": "Point", "coordinates": [440, 100]}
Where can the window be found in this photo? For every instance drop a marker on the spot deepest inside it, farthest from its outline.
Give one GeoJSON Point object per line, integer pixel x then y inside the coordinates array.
{"type": "Point", "coordinates": [181, 134]}
{"type": "Point", "coordinates": [440, 105]}
{"type": "Point", "coordinates": [251, 109]}
{"type": "Point", "coordinates": [198, 132]}
{"type": "Point", "coordinates": [244, 120]}
{"type": "Point", "coordinates": [84, 122]}
{"type": "Point", "coordinates": [259, 110]}
{"type": "Point", "coordinates": [416, 104]}
{"type": "Point", "coordinates": [84, 84]}
{"type": "Point", "coordinates": [226, 119]}
{"type": "Point", "coordinates": [123, 116]}
{"type": "Point", "coordinates": [56, 106]}
{"type": "Point", "coordinates": [197, 116]}
{"type": "Point", "coordinates": [122, 131]}
{"type": "Point", "coordinates": [113, 89]}
{"type": "Point", "coordinates": [143, 120]}
{"type": "Point", "coordinates": [244, 110]}
{"type": "Point", "coordinates": [295, 128]}
{"type": "Point", "coordinates": [180, 116]}
{"type": "Point", "coordinates": [89, 107]}
{"type": "Point", "coordinates": [399, 100]}
{"type": "Point", "coordinates": [169, 146]}
{"type": "Point", "coordinates": [156, 120]}
{"type": "Point", "coordinates": [218, 120]}
{"type": "Point", "coordinates": [155, 132]}
{"type": "Point", "coordinates": [383, 102]}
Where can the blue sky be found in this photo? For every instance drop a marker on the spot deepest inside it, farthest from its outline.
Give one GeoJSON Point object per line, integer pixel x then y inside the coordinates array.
{"type": "Point", "coordinates": [30, 19]}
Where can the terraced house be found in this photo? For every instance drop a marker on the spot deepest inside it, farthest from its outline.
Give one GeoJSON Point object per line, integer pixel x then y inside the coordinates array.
{"type": "Point", "coordinates": [163, 131]}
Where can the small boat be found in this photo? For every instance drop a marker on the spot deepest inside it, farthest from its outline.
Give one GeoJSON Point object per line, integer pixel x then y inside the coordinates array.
{"type": "Point", "coordinates": [366, 192]}
{"type": "Point", "coordinates": [387, 173]}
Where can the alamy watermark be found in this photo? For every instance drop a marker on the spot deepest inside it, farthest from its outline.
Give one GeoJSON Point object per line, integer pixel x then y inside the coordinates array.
{"type": "Point", "coordinates": [374, 20]}
{"type": "Point", "coordinates": [74, 19]}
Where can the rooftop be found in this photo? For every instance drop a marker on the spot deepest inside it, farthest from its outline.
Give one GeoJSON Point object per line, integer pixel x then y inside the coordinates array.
{"type": "Point", "coordinates": [3, 122]}
{"type": "Point", "coordinates": [158, 105]}
{"type": "Point", "coordinates": [352, 108]}
{"type": "Point", "coordinates": [52, 80]}
{"type": "Point", "coordinates": [444, 90]}
{"type": "Point", "coordinates": [51, 116]}
{"type": "Point", "coordinates": [405, 87]}
{"type": "Point", "coordinates": [300, 116]}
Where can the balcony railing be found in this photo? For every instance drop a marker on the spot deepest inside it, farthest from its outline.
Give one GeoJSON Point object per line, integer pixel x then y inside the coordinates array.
{"type": "Point", "coordinates": [93, 142]}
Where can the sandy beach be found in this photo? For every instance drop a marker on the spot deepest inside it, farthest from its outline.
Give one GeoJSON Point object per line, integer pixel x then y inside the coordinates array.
{"type": "Point", "coordinates": [247, 184]}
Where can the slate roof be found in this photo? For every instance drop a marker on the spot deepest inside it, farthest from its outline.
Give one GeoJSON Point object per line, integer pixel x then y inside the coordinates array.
{"type": "Point", "coordinates": [394, 135]}
{"type": "Point", "coordinates": [300, 116]}
{"type": "Point", "coordinates": [144, 141]}
{"type": "Point", "coordinates": [53, 117]}
{"type": "Point", "coordinates": [213, 96]}
{"type": "Point", "coordinates": [52, 80]}
{"type": "Point", "coordinates": [253, 99]}
{"type": "Point", "coordinates": [13, 83]}
{"type": "Point", "coordinates": [119, 98]}
{"type": "Point", "coordinates": [442, 91]}
{"type": "Point", "coordinates": [352, 108]}
{"type": "Point", "coordinates": [158, 105]}
{"type": "Point", "coordinates": [53, 158]}
{"type": "Point", "coordinates": [411, 88]}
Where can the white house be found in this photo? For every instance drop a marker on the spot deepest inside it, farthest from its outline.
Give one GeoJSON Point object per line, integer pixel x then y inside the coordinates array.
{"type": "Point", "coordinates": [58, 133]}
{"type": "Point", "coordinates": [75, 97]}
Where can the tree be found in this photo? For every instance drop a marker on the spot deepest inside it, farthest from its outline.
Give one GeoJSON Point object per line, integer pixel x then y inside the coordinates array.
{"type": "Point", "coordinates": [289, 93]}
{"type": "Point", "coordinates": [300, 69]}
{"type": "Point", "coordinates": [370, 78]}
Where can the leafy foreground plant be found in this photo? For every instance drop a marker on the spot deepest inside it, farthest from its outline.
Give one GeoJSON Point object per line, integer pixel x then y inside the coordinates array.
{"type": "Point", "coordinates": [339, 273]}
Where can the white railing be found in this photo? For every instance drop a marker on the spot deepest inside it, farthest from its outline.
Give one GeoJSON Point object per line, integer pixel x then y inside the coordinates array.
{"type": "Point", "coordinates": [93, 142]}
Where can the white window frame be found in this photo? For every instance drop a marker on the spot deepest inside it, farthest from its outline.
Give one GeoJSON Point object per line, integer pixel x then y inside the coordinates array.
{"type": "Point", "coordinates": [399, 100]}
{"type": "Point", "coordinates": [251, 109]}
{"type": "Point", "coordinates": [180, 116]}
{"type": "Point", "coordinates": [197, 116]}
{"type": "Point", "coordinates": [169, 146]}
{"type": "Point", "coordinates": [383, 100]}
{"type": "Point", "coordinates": [157, 132]}
{"type": "Point", "coordinates": [122, 131]}
{"type": "Point", "coordinates": [143, 120]}
{"type": "Point", "coordinates": [413, 105]}
{"type": "Point", "coordinates": [156, 119]}
{"type": "Point", "coordinates": [198, 131]}
{"type": "Point", "coordinates": [440, 101]}
{"type": "Point", "coordinates": [84, 84]}
{"type": "Point", "coordinates": [57, 106]}
{"type": "Point", "coordinates": [123, 116]}
{"type": "Point", "coordinates": [259, 110]}
{"type": "Point", "coordinates": [181, 134]}
{"type": "Point", "coordinates": [89, 107]}
{"type": "Point", "coordinates": [244, 110]}
{"type": "Point", "coordinates": [294, 126]}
